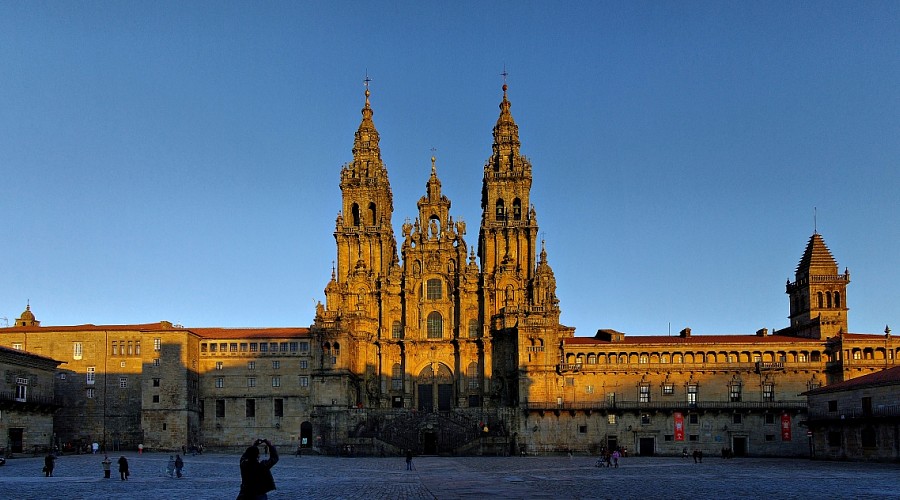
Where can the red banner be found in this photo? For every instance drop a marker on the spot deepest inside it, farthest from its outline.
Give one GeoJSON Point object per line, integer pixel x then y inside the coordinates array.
{"type": "Point", "coordinates": [785, 426]}
{"type": "Point", "coordinates": [679, 426]}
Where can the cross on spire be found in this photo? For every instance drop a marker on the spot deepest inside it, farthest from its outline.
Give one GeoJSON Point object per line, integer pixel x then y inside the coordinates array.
{"type": "Point", "coordinates": [504, 74]}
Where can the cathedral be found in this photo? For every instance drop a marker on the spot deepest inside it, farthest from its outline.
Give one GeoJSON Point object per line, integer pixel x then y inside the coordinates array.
{"type": "Point", "coordinates": [430, 344]}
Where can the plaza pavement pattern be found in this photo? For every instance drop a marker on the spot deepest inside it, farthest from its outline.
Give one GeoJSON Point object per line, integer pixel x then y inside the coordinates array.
{"type": "Point", "coordinates": [216, 476]}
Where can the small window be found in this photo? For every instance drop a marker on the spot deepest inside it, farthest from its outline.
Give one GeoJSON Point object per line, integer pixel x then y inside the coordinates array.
{"type": "Point", "coordinates": [220, 382]}
{"type": "Point", "coordinates": [737, 418]}
{"type": "Point", "coordinates": [734, 392]}
{"type": "Point", "coordinates": [264, 347]}
{"type": "Point", "coordinates": [251, 365]}
{"type": "Point", "coordinates": [668, 389]}
{"type": "Point", "coordinates": [611, 419]}
{"type": "Point", "coordinates": [304, 346]}
{"type": "Point", "coordinates": [644, 393]}
{"type": "Point", "coordinates": [243, 347]}
{"type": "Point", "coordinates": [645, 419]}
{"type": "Point", "coordinates": [17, 346]}
{"type": "Point", "coordinates": [89, 393]}
{"type": "Point", "coordinates": [156, 398]}
{"type": "Point", "coordinates": [279, 407]}
{"type": "Point", "coordinates": [251, 408]}
{"type": "Point", "coordinates": [293, 346]}
{"type": "Point", "coordinates": [220, 408]}
{"type": "Point", "coordinates": [155, 361]}
{"type": "Point", "coordinates": [433, 289]}
{"type": "Point", "coordinates": [233, 347]}
{"type": "Point", "coordinates": [276, 364]}
{"type": "Point", "coordinates": [254, 347]}
{"type": "Point", "coordinates": [156, 382]}
{"type": "Point", "coordinates": [91, 375]}
{"type": "Point", "coordinates": [693, 418]}
{"type": "Point", "coordinates": [693, 390]}
{"type": "Point", "coordinates": [251, 381]}
{"type": "Point", "coordinates": [768, 392]}
{"type": "Point", "coordinates": [123, 382]}
{"type": "Point", "coordinates": [157, 344]}
{"type": "Point", "coordinates": [304, 381]}
{"type": "Point", "coordinates": [582, 429]}
{"type": "Point", "coordinates": [276, 381]}
{"type": "Point", "coordinates": [304, 364]}
{"type": "Point", "coordinates": [77, 350]}
{"type": "Point", "coordinates": [770, 419]}
{"type": "Point", "coordinates": [219, 365]}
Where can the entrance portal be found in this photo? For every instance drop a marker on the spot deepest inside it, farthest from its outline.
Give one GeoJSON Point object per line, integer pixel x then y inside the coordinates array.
{"type": "Point", "coordinates": [15, 439]}
{"type": "Point", "coordinates": [429, 443]}
{"type": "Point", "coordinates": [435, 388]}
{"type": "Point", "coordinates": [739, 446]}
{"type": "Point", "coordinates": [647, 446]}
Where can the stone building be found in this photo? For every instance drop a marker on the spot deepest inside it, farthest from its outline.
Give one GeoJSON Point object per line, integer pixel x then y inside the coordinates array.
{"type": "Point", "coordinates": [27, 399]}
{"type": "Point", "coordinates": [426, 342]}
{"type": "Point", "coordinates": [858, 418]}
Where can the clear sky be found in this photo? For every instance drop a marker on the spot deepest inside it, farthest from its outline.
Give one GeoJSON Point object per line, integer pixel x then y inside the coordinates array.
{"type": "Point", "coordinates": [180, 161]}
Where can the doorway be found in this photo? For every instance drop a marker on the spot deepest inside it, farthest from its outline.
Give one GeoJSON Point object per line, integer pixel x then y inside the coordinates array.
{"type": "Point", "coordinates": [306, 434]}
{"type": "Point", "coordinates": [739, 446]}
{"type": "Point", "coordinates": [646, 446]}
{"type": "Point", "coordinates": [429, 443]}
{"type": "Point", "coordinates": [15, 439]}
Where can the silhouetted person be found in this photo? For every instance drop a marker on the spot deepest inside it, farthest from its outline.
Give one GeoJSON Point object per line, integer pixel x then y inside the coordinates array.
{"type": "Point", "coordinates": [49, 463]}
{"type": "Point", "coordinates": [123, 467]}
{"type": "Point", "coordinates": [256, 474]}
{"type": "Point", "coordinates": [179, 464]}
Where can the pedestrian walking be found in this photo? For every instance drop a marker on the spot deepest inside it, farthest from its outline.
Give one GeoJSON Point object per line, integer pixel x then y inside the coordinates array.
{"type": "Point", "coordinates": [141, 449]}
{"type": "Point", "coordinates": [170, 466]}
{"type": "Point", "coordinates": [123, 468]}
{"type": "Point", "coordinates": [615, 459]}
{"type": "Point", "coordinates": [409, 455]}
{"type": "Point", "coordinates": [107, 466]}
{"type": "Point", "coordinates": [49, 463]}
{"type": "Point", "coordinates": [256, 474]}
{"type": "Point", "coordinates": [179, 464]}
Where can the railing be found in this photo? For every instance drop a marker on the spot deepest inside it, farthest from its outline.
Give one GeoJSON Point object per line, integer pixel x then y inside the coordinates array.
{"type": "Point", "coordinates": [880, 411]}
{"type": "Point", "coordinates": [666, 405]}
{"type": "Point", "coordinates": [722, 365]}
{"type": "Point", "coordinates": [30, 398]}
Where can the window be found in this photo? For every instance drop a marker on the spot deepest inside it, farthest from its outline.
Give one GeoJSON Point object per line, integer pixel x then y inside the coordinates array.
{"type": "Point", "coordinates": [304, 381]}
{"type": "Point", "coordinates": [251, 381]}
{"type": "Point", "coordinates": [22, 392]}
{"type": "Point", "coordinates": [768, 391]}
{"type": "Point", "coordinates": [155, 361]}
{"type": "Point", "coordinates": [220, 382]}
{"type": "Point", "coordinates": [251, 365]}
{"type": "Point", "coordinates": [212, 347]}
{"type": "Point", "coordinates": [137, 348]}
{"type": "Point", "coordinates": [115, 348]}
{"type": "Point", "coordinates": [130, 348]}
{"type": "Point", "coordinates": [692, 391]}
{"type": "Point", "coordinates": [770, 419]}
{"type": "Point", "coordinates": [243, 347]}
{"type": "Point", "coordinates": [89, 393]}
{"type": "Point", "coordinates": [570, 381]}
{"type": "Point", "coordinates": [276, 364]}
{"type": "Point", "coordinates": [644, 393]}
{"type": "Point", "coordinates": [304, 346]}
{"type": "Point", "coordinates": [251, 408]}
{"type": "Point", "coordinates": [592, 359]}
{"type": "Point", "coordinates": [276, 381]}
{"type": "Point", "coordinates": [77, 350]}
{"type": "Point", "coordinates": [220, 408]}
{"type": "Point", "coordinates": [668, 389]}
{"type": "Point", "coordinates": [582, 429]}
{"type": "Point", "coordinates": [645, 419]}
{"type": "Point", "coordinates": [304, 364]}
{"type": "Point", "coordinates": [643, 359]}
{"type": "Point", "coordinates": [473, 329]}
{"type": "Point", "coordinates": [254, 347]}
{"type": "Point", "coordinates": [284, 347]}
{"type": "Point", "coordinates": [156, 382]}
{"type": "Point", "coordinates": [279, 407]}
{"type": "Point", "coordinates": [433, 289]}
{"type": "Point", "coordinates": [232, 347]}
{"type": "Point", "coordinates": [396, 377]}
{"type": "Point", "coordinates": [693, 418]}
{"type": "Point", "coordinates": [293, 346]}
{"type": "Point", "coordinates": [157, 344]}
{"type": "Point", "coordinates": [801, 357]}
{"type": "Point", "coordinates": [611, 419]}
{"type": "Point", "coordinates": [123, 382]}
{"type": "Point", "coordinates": [435, 325]}
{"type": "Point", "coordinates": [219, 365]}
{"type": "Point", "coordinates": [734, 392]}
{"type": "Point", "coordinates": [90, 376]}
{"type": "Point", "coordinates": [737, 418]}
{"type": "Point", "coordinates": [156, 398]}
{"type": "Point", "coordinates": [264, 347]}
{"type": "Point", "coordinates": [588, 389]}
{"type": "Point", "coordinates": [770, 437]}
{"type": "Point", "coordinates": [472, 375]}
{"type": "Point", "coordinates": [693, 437]}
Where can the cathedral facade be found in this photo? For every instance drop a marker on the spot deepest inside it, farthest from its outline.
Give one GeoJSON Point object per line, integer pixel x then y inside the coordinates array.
{"type": "Point", "coordinates": [426, 342]}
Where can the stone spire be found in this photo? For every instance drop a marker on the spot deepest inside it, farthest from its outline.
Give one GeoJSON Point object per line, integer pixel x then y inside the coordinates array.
{"type": "Point", "coordinates": [365, 143]}
{"type": "Point", "coordinates": [506, 135]}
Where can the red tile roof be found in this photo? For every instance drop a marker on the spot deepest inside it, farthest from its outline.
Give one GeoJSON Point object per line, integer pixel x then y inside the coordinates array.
{"type": "Point", "coordinates": [251, 333]}
{"type": "Point", "coordinates": [889, 376]}
{"type": "Point", "coordinates": [692, 340]}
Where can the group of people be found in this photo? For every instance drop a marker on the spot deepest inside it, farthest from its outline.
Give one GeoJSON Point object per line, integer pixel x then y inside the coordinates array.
{"type": "Point", "coordinates": [175, 466]}
{"type": "Point", "coordinates": [610, 458]}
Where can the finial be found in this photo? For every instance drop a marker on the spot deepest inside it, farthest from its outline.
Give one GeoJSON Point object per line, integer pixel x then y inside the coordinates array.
{"type": "Point", "coordinates": [815, 221]}
{"type": "Point", "coordinates": [433, 170]}
{"type": "Point", "coordinates": [887, 330]}
{"type": "Point", "coordinates": [504, 74]}
{"type": "Point", "coordinates": [366, 81]}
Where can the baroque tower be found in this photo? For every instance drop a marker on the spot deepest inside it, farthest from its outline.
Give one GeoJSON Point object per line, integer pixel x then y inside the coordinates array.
{"type": "Point", "coordinates": [818, 295]}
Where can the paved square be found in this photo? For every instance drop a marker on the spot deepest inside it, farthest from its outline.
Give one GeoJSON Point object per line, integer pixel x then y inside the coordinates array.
{"type": "Point", "coordinates": [216, 476]}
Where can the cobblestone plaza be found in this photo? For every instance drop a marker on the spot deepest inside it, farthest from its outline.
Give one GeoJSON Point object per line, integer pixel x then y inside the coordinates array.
{"type": "Point", "coordinates": [216, 476]}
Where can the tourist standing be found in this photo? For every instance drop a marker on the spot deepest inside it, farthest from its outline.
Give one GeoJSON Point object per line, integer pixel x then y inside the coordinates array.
{"type": "Point", "coordinates": [107, 466]}
{"type": "Point", "coordinates": [123, 467]}
{"type": "Point", "coordinates": [256, 474]}
{"type": "Point", "coordinates": [409, 465]}
{"type": "Point", "coordinates": [179, 464]}
{"type": "Point", "coordinates": [49, 463]}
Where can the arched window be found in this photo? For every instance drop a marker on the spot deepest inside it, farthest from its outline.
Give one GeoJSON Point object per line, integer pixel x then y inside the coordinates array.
{"type": "Point", "coordinates": [435, 325]}
{"type": "Point", "coordinates": [500, 210]}
{"type": "Point", "coordinates": [396, 330]}
{"type": "Point", "coordinates": [592, 359]}
{"type": "Point", "coordinates": [433, 289]}
{"type": "Point", "coordinates": [326, 349]}
{"type": "Point", "coordinates": [828, 299]}
{"type": "Point", "coordinates": [336, 349]}
{"type": "Point", "coordinates": [517, 209]}
{"type": "Point", "coordinates": [396, 377]}
{"type": "Point", "coordinates": [373, 214]}
{"type": "Point", "coordinates": [837, 299]}
{"type": "Point", "coordinates": [820, 301]}
{"type": "Point", "coordinates": [355, 213]}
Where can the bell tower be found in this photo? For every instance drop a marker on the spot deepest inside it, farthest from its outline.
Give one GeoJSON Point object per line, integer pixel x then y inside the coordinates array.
{"type": "Point", "coordinates": [366, 248]}
{"type": "Point", "coordinates": [507, 239]}
{"type": "Point", "coordinates": [818, 295]}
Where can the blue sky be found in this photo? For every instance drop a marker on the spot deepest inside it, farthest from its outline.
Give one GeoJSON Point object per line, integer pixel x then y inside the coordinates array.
{"type": "Point", "coordinates": [180, 160]}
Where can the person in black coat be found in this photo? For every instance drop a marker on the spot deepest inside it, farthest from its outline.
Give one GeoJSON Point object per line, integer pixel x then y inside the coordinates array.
{"type": "Point", "coordinates": [256, 474]}
{"type": "Point", "coordinates": [49, 462]}
{"type": "Point", "coordinates": [123, 467]}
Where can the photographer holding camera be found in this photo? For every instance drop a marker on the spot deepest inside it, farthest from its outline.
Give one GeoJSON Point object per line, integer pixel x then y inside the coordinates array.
{"type": "Point", "coordinates": [256, 474]}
